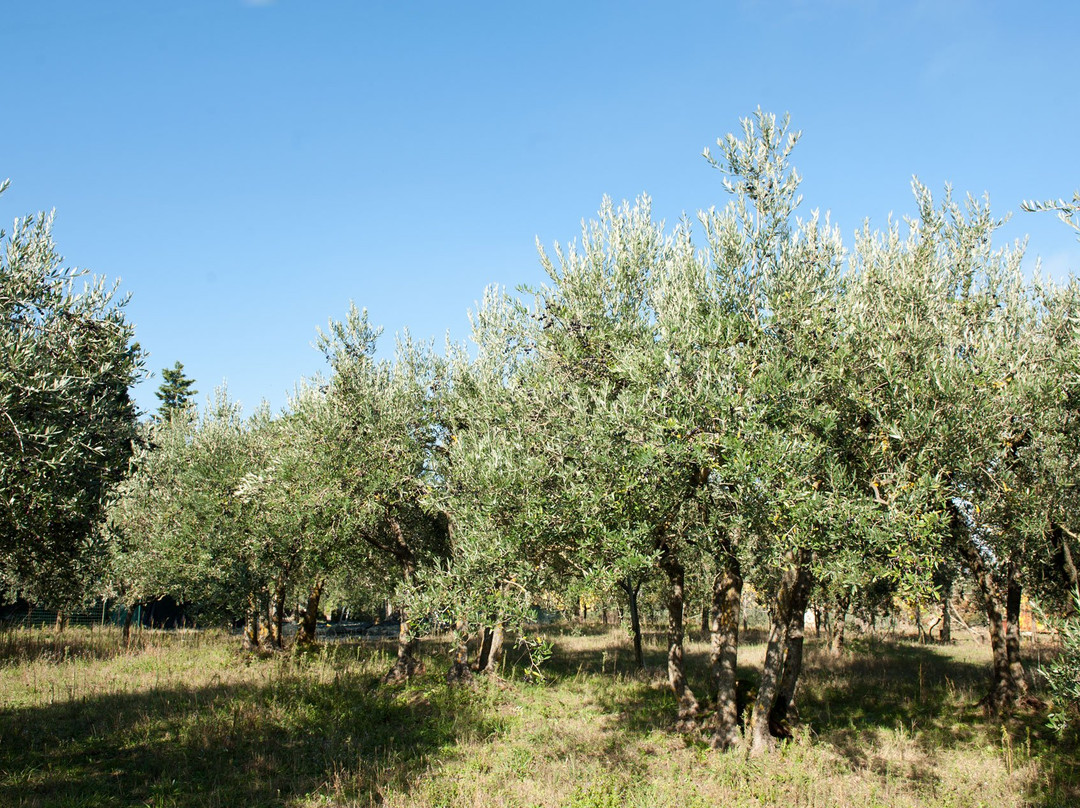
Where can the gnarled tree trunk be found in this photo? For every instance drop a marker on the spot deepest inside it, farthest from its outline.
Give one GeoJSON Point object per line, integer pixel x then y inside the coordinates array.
{"type": "Point", "coordinates": [491, 647]}
{"type": "Point", "coordinates": [1066, 563]}
{"type": "Point", "coordinates": [946, 614]}
{"type": "Point", "coordinates": [784, 706]}
{"type": "Point", "coordinates": [251, 623]}
{"type": "Point", "coordinates": [724, 650]}
{"type": "Point", "coordinates": [1013, 596]}
{"type": "Point", "coordinates": [838, 625]}
{"type": "Point", "coordinates": [1004, 688]}
{"type": "Point", "coordinates": [793, 578]}
{"type": "Point", "coordinates": [676, 574]}
{"type": "Point", "coordinates": [129, 615]}
{"type": "Point", "coordinates": [459, 668]}
{"type": "Point", "coordinates": [276, 621]}
{"type": "Point", "coordinates": [406, 664]}
{"type": "Point", "coordinates": [309, 621]}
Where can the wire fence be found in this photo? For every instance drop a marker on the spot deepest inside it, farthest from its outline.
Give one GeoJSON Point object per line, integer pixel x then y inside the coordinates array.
{"type": "Point", "coordinates": [102, 613]}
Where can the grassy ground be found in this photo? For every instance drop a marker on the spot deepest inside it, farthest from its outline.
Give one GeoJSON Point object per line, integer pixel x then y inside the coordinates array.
{"type": "Point", "coordinates": [182, 719]}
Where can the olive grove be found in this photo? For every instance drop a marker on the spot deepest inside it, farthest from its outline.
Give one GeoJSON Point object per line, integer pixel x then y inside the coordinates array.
{"type": "Point", "coordinates": [742, 404]}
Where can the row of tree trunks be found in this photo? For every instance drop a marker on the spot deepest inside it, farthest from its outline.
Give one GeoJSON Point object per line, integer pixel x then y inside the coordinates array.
{"type": "Point", "coordinates": [783, 652]}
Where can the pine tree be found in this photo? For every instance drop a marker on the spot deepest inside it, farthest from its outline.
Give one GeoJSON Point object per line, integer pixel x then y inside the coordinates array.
{"type": "Point", "coordinates": [175, 392]}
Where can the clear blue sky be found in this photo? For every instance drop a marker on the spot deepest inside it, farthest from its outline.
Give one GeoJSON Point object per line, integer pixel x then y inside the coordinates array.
{"type": "Point", "coordinates": [248, 168]}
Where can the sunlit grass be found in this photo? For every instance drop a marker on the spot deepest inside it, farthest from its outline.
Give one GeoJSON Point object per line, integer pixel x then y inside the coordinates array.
{"type": "Point", "coordinates": [182, 718]}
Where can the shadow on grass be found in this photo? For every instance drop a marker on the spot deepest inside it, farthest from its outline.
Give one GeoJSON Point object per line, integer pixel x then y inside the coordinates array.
{"type": "Point", "coordinates": [266, 744]}
{"type": "Point", "coordinates": [883, 690]}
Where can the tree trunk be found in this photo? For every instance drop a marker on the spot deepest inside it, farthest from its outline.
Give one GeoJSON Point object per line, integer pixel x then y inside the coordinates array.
{"type": "Point", "coordinates": [839, 623]}
{"type": "Point", "coordinates": [1014, 591]}
{"type": "Point", "coordinates": [1002, 692]}
{"type": "Point", "coordinates": [497, 636]}
{"type": "Point", "coordinates": [631, 589]}
{"type": "Point", "coordinates": [406, 664]}
{"type": "Point", "coordinates": [277, 621]}
{"type": "Point", "coordinates": [309, 620]}
{"type": "Point", "coordinates": [687, 703]}
{"type": "Point", "coordinates": [784, 706]}
{"type": "Point", "coordinates": [459, 668]}
{"type": "Point", "coordinates": [760, 737]}
{"type": "Point", "coordinates": [1063, 556]}
{"type": "Point", "coordinates": [1003, 688]}
{"type": "Point", "coordinates": [772, 669]}
{"type": "Point", "coordinates": [946, 614]}
{"type": "Point", "coordinates": [61, 621]}
{"type": "Point", "coordinates": [128, 617]}
{"type": "Point", "coordinates": [917, 610]}
{"type": "Point", "coordinates": [483, 650]}
{"type": "Point", "coordinates": [724, 651]}
{"type": "Point", "coordinates": [251, 623]}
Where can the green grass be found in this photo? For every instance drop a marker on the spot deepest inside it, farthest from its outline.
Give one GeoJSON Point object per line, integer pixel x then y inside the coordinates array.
{"type": "Point", "coordinates": [184, 719]}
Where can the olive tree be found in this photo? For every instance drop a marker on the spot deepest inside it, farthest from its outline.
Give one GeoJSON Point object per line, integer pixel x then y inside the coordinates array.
{"type": "Point", "coordinates": [67, 361]}
{"type": "Point", "coordinates": [386, 421]}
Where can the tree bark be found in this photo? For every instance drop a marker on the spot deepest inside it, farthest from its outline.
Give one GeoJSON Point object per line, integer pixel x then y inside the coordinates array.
{"type": "Point", "coordinates": [724, 651]}
{"type": "Point", "coordinates": [917, 610]}
{"type": "Point", "coordinates": [1003, 688]}
{"type": "Point", "coordinates": [129, 615]}
{"type": "Point", "coordinates": [276, 615]}
{"type": "Point", "coordinates": [676, 573]}
{"type": "Point", "coordinates": [631, 589]}
{"type": "Point", "coordinates": [496, 638]}
{"type": "Point", "coordinates": [1063, 556]}
{"type": "Point", "coordinates": [483, 650]}
{"type": "Point", "coordinates": [459, 668]}
{"type": "Point", "coordinates": [1013, 596]}
{"type": "Point", "coordinates": [310, 620]}
{"type": "Point", "coordinates": [946, 613]}
{"type": "Point", "coordinates": [784, 706]}
{"type": "Point", "coordinates": [406, 664]}
{"type": "Point", "coordinates": [760, 738]}
{"type": "Point", "coordinates": [781, 622]}
{"type": "Point", "coordinates": [839, 623]}
{"type": "Point", "coordinates": [251, 623]}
